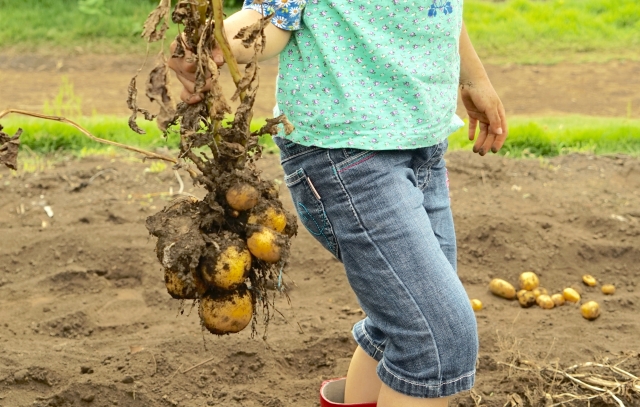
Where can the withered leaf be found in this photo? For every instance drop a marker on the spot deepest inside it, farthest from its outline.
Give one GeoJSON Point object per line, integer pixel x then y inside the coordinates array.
{"type": "Point", "coordinates": [249, 34]}
{"type": "Point", "coordinates": [250, 75]}
{"type": "Point", "coordinates": [216, 99]}
{"type": "Point", "coordinates": [9, 147]}
{"type": "Point", "coordinates": [132, 104]}
{"type": "Point", "coordinates": [288, 126]}
{"type": "Point", "coordinates": [157, 17]}
{"type": "Point", "coordinates": [158, 92]}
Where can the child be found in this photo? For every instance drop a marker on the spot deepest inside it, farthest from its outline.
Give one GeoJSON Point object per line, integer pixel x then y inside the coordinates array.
{"type": "Point", "coordinates": [371, 88]}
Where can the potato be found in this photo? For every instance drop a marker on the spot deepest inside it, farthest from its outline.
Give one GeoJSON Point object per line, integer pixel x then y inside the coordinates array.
{"type": "Point", "coordinates": [526, 298]}
{"type": "Point", "coordinates": [228, 268]}
{"type": "Point", "coordinates": [558, 299]}
{"type": "Point", "coordinates": [242, 196]}
{"type": "Point", "coordinates": [502, 289]}
{"type": "Point", "coordinates": [228, 313]}
{"type": "Point", "coordinates": [184, 286]}
{"type": "Point", "coordinates": [538, 291]}
{"type": "Point", "coordinates": [589, 280]}
{"type": "Point", "coordinates": [590, 310]}
{"type": "Point", "coordinates": [571, 295]}
{"type": "Point", "coordinates": [545, 302]}
{"type": "Point", "coordinates": [608, 289]}
{"type": "Point", "coordinates": [529, 281]}
{"type": "Point", "coordinates": [266, 244]}
{"type": "Point", "coordinates": [270, 216]}
{"type": "Point", "coordinates": [476, 305]}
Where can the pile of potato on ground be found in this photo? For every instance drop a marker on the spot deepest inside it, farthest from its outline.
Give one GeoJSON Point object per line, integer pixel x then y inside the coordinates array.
{"type": "Point", "coordinates": [531, 293]}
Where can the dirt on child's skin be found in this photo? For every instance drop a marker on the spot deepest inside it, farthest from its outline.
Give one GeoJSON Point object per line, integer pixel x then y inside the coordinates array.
{"type": "Point", "coordinates": [86, 321]}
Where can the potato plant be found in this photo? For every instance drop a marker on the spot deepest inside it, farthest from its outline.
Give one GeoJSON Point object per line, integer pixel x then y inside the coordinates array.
{"type": "Point", "coordinates": [225, 250]}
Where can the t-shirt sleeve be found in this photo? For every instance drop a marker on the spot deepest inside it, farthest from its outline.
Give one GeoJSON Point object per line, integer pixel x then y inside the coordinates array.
{"type": "Point", "coordinates": [287, 14]}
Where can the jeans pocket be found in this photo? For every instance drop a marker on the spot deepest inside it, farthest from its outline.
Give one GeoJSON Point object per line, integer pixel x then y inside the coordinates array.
{"type": "Point", "coordinates": [311, 211]}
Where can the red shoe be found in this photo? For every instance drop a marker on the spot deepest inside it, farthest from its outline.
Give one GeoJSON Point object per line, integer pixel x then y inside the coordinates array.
{"type": "Point", "coordinates": [332, 394]}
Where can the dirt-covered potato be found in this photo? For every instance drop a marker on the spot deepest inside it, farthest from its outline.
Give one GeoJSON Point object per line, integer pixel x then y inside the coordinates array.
{"type": "Point", "coordinates": [529, 281]}
{"type": "Point", "coordinates": [526, 298]}
{"type": "Point", "coordinates": [558, 299]}
{"type": "Point", "coordinates": [590, 310]}
{"type": "Point", "coordinates": [242, 196]}
{"type": "Point", "coordinates": [502, 289]}
{"type": "Point", "coordinates": [266, 244]}
{"type": "Point", "coordinates": [589, 280]}
{"type": "Point", "coordinates": [608, 289]}
{"type": "Point", "coordinates": [179, 285]}
{"type": "Point", "coordinates": [476, 304]}
{"type": "Point", "coordinates": [545, 302]}
{"type": "Point", "coordinates": [227, 267]}
{"type": "Point", "coordinates": [538, 291]}
{"type": "Point", "coordinates": [270, 215]}
{"type": "Point", "coordinates": [228, 313]}
{"type": "Point", "coordinates": [571, 295]}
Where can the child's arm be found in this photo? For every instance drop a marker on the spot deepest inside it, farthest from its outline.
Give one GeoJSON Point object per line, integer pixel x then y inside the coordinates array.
{"type": "Point", "coordinates": [481, 100]}
{"type": "Point", "coordinates": [276, 40]}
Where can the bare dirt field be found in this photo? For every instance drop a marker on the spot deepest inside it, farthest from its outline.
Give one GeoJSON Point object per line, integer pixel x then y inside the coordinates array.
{"type": "Point", "coordinates": [85, 319]}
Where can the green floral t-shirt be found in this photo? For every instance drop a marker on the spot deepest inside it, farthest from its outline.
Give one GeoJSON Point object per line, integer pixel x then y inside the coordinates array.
{"type": "Point", "coordinates": [370, 75]}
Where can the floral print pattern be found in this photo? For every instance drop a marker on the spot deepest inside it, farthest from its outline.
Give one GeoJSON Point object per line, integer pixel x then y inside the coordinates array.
{"type": "Point", "coordinates": [368, 75]}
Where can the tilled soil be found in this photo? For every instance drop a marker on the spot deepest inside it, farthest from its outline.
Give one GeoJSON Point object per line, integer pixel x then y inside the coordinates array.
{"type": "Point", "coordinates": [86, 319]}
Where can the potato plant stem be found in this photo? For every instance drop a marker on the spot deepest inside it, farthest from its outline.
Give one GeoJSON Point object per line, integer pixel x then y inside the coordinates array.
{"type": "Point", "coordinates": [221, 39]}
{"type": "Point", "coordinates": [86, 132]}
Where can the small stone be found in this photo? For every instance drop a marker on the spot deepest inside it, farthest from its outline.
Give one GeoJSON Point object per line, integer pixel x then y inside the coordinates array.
{"type": "Point", "coordinates": [88, 398]}
{"type": "Point", "coordinates": [127, 380]}
{"type": "Point", "coordinates": [21, 376]}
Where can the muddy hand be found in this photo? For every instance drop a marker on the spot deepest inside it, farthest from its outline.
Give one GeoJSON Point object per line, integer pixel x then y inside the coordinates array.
{"type": "Point", "coordinates": [185, 69]}
{"type": "Point", "coordinates": [486, 114]}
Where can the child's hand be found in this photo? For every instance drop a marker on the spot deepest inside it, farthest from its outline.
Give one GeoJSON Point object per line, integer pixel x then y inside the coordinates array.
{"type": "Point", "coordinates": [185, 69]}
{"type": "Point", "coordinates": [486, 112]}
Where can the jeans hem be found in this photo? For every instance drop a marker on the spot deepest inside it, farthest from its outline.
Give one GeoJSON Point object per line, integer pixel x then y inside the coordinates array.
{"type": "Point", "coordinates": [367, 344]}
{"type": "Point", "coordinates": [425, 389]}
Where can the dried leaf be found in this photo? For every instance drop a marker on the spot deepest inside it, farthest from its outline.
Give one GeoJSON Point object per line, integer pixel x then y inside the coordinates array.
{"type": "Point", "coordinates": [132, 104]}
{"type": "Point", "coordinates": [251, 33]}
{"type": "Point", "coordinates": [216, 99]}
{"type": "Point", "coordinates": [250, 75]}
{"type": "Point", "coordinates": [158, 92]}
{"type": "Point", "coordinates": [151, 31]}
{"type": "Point", "coordinates": [288, 126]}
{"type": "Point", "coordinates": [9, 147]}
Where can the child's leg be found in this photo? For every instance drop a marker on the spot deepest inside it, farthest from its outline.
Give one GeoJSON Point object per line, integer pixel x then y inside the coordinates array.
{"type": "Point", "coordinates": [363, 383]}
{"type": "Point", "coordinates": [391, 398]}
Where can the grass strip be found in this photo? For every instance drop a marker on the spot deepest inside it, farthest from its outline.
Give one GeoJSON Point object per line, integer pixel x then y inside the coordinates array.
{"type": "Point", "coordinates": [517, 31]}
{"type": "Point", "coordinates": [528, 136]}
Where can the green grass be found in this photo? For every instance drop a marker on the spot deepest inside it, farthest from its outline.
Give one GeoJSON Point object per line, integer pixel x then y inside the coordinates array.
{"type": "Point", "coordinates": [96, 26]}
{"type": "Point", "coordinates": [517, 31]}
{"type": "Point", "coordinates": [528, 136]}
{"type": "Point", "coordinates": [526, 31]}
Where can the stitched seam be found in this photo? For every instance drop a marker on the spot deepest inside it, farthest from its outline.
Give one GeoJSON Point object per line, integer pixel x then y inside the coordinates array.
{"type": "Point", "coordinates": [289, 157]}
{"type": "Point", "coordinates": [461, 377]}
{"type": "Point", "coordinates": [368, 338]}
{"type": "Point", "coordinates": [320, 230]}
{"type": "Point", "coordinates": [424, 319]}
{"type": "Point", "coordinates": [358, 162]}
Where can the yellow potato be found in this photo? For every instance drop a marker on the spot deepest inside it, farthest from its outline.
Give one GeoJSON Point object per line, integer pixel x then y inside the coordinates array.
{"type": "Point", "coordinates": [571, 295]}
{"type": "Point", "coordinates": [502, 289]}
{"type": "Point", "coordinates": [227, 268]}
{"type": "Point", "coordinates": [589, 280]}
{"type": "Point", "coordinates": [590, 310]}
{"type": "Point", "coordinates": [529, 281]}
{"type": "Point", "coordinates": [242, 196]}
{"type": "Point", "coordinates": [229, 313]}
{"type": "Point", "coordinates": [476, 305]}
{"type": "Point", "coordinates": [609, 289]}
{"type": "Point", "coordinates": [179, 285]}
{"type": "Point", "coordinates": [558, 299]}
{"type": "Point", "coordinates": [538, 291]}
{"type": "Point", "coordinates": [270, 216]}
{"type": "Point", "coordinates": [526, 298]}
{"type": "Point", "coordinates": [545, 302]}
{"type": "Point", "coordinates": [266, 244]}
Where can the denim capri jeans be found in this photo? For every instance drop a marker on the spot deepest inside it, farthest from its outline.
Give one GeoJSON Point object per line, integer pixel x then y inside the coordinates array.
{"type": "Point", "coordinates": [386, 216]}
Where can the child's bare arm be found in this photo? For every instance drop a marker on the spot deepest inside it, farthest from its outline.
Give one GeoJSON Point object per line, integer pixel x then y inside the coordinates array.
{"type": "Point", "coordinates": [276, 40]}
{"type": "Point", "coordinates": [483, 105]}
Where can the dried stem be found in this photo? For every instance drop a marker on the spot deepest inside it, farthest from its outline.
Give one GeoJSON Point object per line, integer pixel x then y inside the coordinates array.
{"type": "Point", "coordinates": [86, 132]}
{"type": "Point", "coordinates": [223, 43]}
